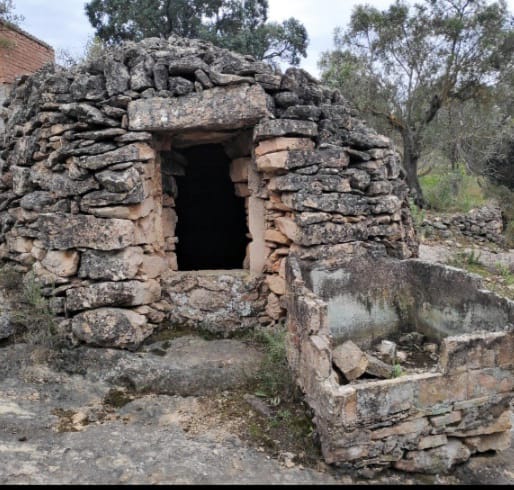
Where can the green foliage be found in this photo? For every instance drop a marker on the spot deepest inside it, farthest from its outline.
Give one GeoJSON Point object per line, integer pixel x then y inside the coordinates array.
{"type": "Point", "coordinates": [404, 64]}
{"type": "Point", "coordinates": [418, 215]}
{"type": "Point", "coordinates": [34, 314]}
{"type": "Point", "coordinates": [7, 12]}
{"type": "Point", "coordinates": [274, 377]}
{"type": "Point", "coordinates": [397, 371]}
{"type": "Point", "coordinates": [452, 190]}
{"type": "Point", "coordinates": [505, 273]}
{"type": "Point", "coordinates": [469, 261]}
{"type": "Point", "coordinates": [500, 166]}
{"type": "Point", "coordinates": [236, 25]}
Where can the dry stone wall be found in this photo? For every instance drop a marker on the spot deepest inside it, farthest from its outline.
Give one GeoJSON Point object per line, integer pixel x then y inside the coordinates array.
{"type": "Point", "coordinates": [480, 224]}
{"type": "Point", "coordinates": [88, 206]}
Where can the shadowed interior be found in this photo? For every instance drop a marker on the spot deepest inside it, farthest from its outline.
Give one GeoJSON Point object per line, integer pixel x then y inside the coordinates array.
{"type": "Point", "coordinates": [211, 226]}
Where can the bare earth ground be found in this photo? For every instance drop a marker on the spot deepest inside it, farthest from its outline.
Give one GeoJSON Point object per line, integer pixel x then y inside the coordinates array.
{"type": "Point", "coordinates": [63, 422]}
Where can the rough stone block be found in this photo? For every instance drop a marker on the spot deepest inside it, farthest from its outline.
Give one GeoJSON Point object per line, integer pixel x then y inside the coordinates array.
{"type": "Point", "coordinates": [351, 360]}
{"type": "Point", "coordinates": [276, 236]}
{"type": "Point", "coordinates": [113, 266]}
{"type": "Point", "coordinates": [273, 307]}
{"type": "Point", "coordinates": [64, 231]}
{"type": "Point", "coordinates": [125, 293]}
{"type": "Point", "coordinates": [378, 368]}
{"type": "Point", "coordinates": [288, 227]}
{"type": "Point", "coordinates": [436, 389]}
{"type": "Point", "coordinates": [505, 355]}
{"type": "Point", "coordinates": [283, 144]}
{"type": "Point", "coordinates": [501, 423]}
{"type": "Point", "coordinates": [61, 263]}
{"type": "Point", "coordinates": [416, 426]}
{"type": "Point", "coordinates": [273, 162]}
{"type": "Point", "coordinates": [169, 222]}
{"type": "Point", "coordinates": [131, 212]}
{"type": "Point", "coordinates": [206, 300]}
{"type": "Point", "coordinates": [130, 153]}
{"type": "Point", "coordinates": [276, 284]}
{"type": "Point", "coordinates": [491, 442]}
{"type": "Point", "coordinates": [379, 399]}
{"type": "Point", "coordinates": [111, 327]}
{"type": "Point", "coordinates": [152, 267]}
{"type": "Point", "coordinates": [239, 169]}
{"type": "Point", "coordinates": [484, 382]}
{"type": "Point", "coordinates": [448, 419]}
{"type": "Point", "coordinates": [428, 442]}
{"type": "Point", "coordinates": [122, 181]}
{"type": "Point", "coordinates": [21, 183]}
{"type": "Point", "coordinates": [218, 108]}
{"type": "Point", "coordinates": [471, 351]}
{"type": "Point", "coordinates": [19, 244]}
{"type": "Point", "coordinates": [436, 460]}
{"type": "Point", "coordinates": [60, 184]}
{"type": "Point", "coordinates": [275, 128]}
{"type": "Point", "coordinates": [317, 356]}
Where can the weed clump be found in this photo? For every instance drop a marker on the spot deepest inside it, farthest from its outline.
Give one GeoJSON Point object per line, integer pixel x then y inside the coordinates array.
{"type": "Point", "coordinates": [274, 376]}
{"type": "Point", "coordinates": [31, 312]}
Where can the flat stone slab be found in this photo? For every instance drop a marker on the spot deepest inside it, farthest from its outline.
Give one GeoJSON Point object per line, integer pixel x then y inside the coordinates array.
{"type": "Point", "coordinates": [215, 109]}
{"type": "Point", "coordinates": [189, 365]}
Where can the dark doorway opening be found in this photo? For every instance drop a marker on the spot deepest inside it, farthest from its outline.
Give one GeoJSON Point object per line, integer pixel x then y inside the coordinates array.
{"type": "Point", "coordinates": [211, 226]}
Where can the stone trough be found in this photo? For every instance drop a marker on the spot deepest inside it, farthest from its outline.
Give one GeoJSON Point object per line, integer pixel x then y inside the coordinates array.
{"type": "Point", "coordinates": [422, 422]}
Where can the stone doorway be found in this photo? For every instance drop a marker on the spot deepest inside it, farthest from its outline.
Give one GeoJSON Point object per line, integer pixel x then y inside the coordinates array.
{"type": "Point", "coordinates": [211, 226]}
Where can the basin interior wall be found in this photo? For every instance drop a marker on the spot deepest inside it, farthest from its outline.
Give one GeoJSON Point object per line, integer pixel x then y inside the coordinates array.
{"type": "Point", "coordinates": [367, 300]}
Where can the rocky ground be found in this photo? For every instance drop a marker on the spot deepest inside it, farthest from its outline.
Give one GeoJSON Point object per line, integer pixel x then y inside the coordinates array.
{"type": "Point", "coordinates": [183, 410]}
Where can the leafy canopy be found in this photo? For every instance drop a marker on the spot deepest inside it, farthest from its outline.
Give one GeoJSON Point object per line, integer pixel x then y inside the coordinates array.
{"type": "Point", "coordinates": [240, 25]}
{"type": "Point", "coordinates": [7, 12]}
{"type": "Point", "coordinates": [404, 64]}
{"type": "Point", "coordinates": [418, 58]}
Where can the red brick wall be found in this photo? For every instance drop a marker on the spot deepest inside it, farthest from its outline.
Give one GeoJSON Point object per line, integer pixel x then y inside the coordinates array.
{"type": "Point", "coordinates": [23, 54]}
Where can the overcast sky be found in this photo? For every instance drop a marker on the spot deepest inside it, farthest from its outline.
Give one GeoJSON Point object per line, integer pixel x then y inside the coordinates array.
{"type": "Point", "coordinates": [64, 25]}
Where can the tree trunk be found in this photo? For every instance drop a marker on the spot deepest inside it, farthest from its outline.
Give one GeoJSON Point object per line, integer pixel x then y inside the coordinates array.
{"type": "Point", "coordinates": [410, 164]}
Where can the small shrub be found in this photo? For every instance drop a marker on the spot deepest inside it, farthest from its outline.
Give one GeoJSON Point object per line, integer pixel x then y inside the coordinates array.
{"type": "Point", "coordinates": [502, 269]}
{"type": "Point", "coordinates": [452, 191]}
{"type": "Point", "coordinates": [418, 215]}
{"type": "Point", "coordinates": [466, 259]}
{"type": "Point", "coordinates": [274, 377]}
{"type": "Point", "coordinates": [10, 278]}
{"type": "Point", "coordinates": [34, 315]}
{"type": "Point", "coordinates": [397, 371]}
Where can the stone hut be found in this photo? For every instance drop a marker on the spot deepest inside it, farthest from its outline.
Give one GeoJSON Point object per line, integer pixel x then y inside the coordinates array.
{"type": "Point", "coordinates": [168, 180]}
{"type": "Point", "coordinates": [171, 183]}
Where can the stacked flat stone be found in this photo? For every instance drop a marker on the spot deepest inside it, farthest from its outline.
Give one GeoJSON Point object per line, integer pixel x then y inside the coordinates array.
{"type": "Point", "coordinates": [485, 223]}
{"type": "Point", "coordinates": [81, 192]}
{"type": "Point", "coordinates": [481, 224]}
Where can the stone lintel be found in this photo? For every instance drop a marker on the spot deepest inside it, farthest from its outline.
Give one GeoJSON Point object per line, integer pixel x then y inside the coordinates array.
{"type": "Point", "coordinates": [215, 109]}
